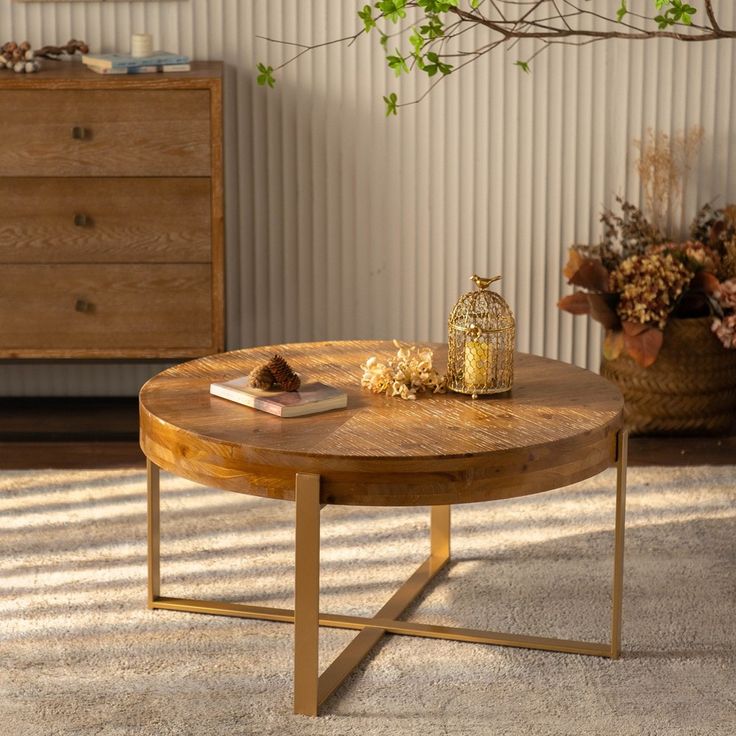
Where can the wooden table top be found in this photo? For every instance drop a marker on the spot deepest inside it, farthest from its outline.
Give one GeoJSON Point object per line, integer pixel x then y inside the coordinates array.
{"type": "Point", "coordinates": [557, 426]}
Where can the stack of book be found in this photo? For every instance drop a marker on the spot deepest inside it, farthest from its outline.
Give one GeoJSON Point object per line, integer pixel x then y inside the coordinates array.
{"type": "Point", "coordinates": [158, 61]}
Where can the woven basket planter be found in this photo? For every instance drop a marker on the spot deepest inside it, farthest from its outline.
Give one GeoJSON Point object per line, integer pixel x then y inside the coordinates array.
{"type": "Point", "coordinates": [690, 389]}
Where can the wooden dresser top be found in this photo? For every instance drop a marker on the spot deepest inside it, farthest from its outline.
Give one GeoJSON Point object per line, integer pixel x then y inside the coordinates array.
{"type": "Point", "coordinates": [75, 75]}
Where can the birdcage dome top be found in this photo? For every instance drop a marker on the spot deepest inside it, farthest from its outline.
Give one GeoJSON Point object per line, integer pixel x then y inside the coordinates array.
{"type": "Point", "coordinates": [482, 309]}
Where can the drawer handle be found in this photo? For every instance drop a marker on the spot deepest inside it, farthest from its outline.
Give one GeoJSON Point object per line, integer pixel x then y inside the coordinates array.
{"type": "Point", "coordinates": [82, 305]}
{"type": "Point", "coordinates": [81, 220]}
{"type": "Point", "coordinates": [79, 133]}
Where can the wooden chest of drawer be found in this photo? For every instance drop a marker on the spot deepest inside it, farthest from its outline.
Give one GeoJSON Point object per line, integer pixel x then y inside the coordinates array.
{"type": "Point", "coordinates": [111, 214]}
{"type": "Point", "coordinates": [116, 220]}
{"type": "Point", "coordinates": [105, 133]}
{"type": "Point", "coordinates": [91, 310]}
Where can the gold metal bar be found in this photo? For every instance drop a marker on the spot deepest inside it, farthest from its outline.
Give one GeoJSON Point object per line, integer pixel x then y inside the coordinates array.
{"type": "Point", "coordinates": [216, 608]}
{"type": "Point", "coordinates": [154, 532]}
{"type": "Point", "coordinates": [306, 595]}
{"type": "Point", "coordinates": [618, 550]}
{"type": "Point", "coordinates": [311, 689]}
{"type": "Point", "coordinates": [421, 577]}
{"type": "Point", "coordinates": [355, 652]}
{"type": "Point", "coordinates": [388, 625]}
{"type": "Point", "coordinates": [406, 594]}
{"type": "Point", "coordinates": [440, 531]}
{"type": "Point", "coordinates": [345, 662]}
{"type": "Point", "coordinates": [410, 628]}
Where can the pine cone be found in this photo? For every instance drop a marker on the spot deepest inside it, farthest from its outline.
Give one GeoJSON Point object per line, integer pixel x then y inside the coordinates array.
{"type": "Point", "coordinates": [261, 377]}
{"type": "Point", "coordinates": [283, 374]}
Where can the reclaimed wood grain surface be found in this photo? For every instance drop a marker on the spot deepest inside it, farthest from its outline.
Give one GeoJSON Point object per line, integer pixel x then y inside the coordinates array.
{"type": "Point", "coordinates": [81, 309]}
{"type": "Point", "coordinates": [118, 133]}
{"type": "Point", "coordinates": [105, 220]}
{"type": "Point", "coordinates": [557, 426]}
{"type": "Point", "coordinates": [73, 74]}
{"type": "Point", "coordinates": [98, 171]}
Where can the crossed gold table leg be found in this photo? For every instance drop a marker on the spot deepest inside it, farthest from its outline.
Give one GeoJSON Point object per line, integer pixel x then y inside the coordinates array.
{"type": "Point", "coordinates": [310, 688]}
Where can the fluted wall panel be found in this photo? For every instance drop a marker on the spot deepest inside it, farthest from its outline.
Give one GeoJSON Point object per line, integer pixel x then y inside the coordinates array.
{"type": "Point", "coordinates": [341, 223]}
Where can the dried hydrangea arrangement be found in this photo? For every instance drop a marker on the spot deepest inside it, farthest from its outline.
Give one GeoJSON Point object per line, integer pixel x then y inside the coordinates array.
{"type": "Point", "coordinates": [635, 288]}
{"type": "Point", "coordinates": [636, 279]}
{"type": "Point", "coordinates": [409, 373]}
{"type": "Point", "coordinates": [724, 325]}
{"type": "Point", "coordinates": [649, 287]}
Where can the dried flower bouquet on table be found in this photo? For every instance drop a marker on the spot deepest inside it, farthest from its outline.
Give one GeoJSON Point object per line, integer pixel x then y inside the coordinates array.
{"type": "Point", "coordinates": [636, 280]}
{"type": "Point", "coordinates": [410, 372]}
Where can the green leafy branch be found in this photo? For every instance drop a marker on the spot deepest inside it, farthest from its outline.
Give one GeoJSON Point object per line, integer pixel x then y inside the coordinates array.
{"type": "Point", "coordinates": [677, 12]}
{"type": "Point", "coordinates": [430, 32]}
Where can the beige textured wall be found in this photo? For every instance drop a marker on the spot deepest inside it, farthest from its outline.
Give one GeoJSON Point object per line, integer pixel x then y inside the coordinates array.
{"type": "Point", "coordinates": [343, 224]}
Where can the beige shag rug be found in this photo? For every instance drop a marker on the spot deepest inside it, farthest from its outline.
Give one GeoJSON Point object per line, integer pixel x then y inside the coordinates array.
{"type": "Point", "coordinates": [81, 654]}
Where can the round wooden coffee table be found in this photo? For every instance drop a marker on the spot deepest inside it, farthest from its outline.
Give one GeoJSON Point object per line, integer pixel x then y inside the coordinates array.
{"type": "Point", "coordinates": [559, 425]}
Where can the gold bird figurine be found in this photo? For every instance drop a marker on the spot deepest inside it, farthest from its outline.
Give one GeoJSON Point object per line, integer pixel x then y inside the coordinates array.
{"type": "Point", "coordinates": [484, 283]}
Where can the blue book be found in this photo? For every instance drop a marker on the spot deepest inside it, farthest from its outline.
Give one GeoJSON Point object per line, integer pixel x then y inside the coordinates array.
{"type": "Point", "coordinates": [126, 61]}
{"type": "Point", "coordinates": [140, 69]}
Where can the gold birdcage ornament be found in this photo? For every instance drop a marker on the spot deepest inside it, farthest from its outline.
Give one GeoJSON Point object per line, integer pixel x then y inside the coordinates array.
{"type": "Point", "coordinates": [481, 337]}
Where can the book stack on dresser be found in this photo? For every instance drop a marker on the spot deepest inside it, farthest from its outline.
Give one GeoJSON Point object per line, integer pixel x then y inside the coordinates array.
{"type": "Point", "coordinates": [111, 214]}
{"type": "Point", "coordinates": [156, 61]}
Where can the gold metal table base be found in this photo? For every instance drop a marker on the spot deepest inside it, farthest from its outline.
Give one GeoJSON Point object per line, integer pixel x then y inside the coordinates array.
{"type": "Point", "coordinates": [310, 688]}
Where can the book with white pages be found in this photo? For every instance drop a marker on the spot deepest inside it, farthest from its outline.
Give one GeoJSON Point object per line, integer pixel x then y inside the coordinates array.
{"type": "Point", "coordinates": [156, 58]}
{"type": "Point", "coordinates": [165, 68]}
{"type": "Point", "coordinates": [311, 398]}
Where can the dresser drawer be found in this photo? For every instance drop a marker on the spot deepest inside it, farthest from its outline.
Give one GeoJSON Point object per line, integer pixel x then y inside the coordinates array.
{"type": "Point", "coordinates": [105, 310]}
{"type": "Point", "coordinates": [105, 133]}
{"type": "Point", "coordinates": [104, 220]}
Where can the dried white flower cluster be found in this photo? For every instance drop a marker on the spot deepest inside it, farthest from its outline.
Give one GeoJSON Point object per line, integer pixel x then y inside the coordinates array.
{"type": "Point", "coordinates": [409, 373]}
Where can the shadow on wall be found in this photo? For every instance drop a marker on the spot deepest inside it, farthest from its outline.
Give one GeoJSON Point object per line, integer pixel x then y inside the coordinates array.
{"type": "Point", "coordinates": [309, 257]}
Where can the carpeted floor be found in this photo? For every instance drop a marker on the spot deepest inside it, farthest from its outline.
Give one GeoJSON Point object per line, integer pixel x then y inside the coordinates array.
{"type": "Point", "coordinates": [81, 654]}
